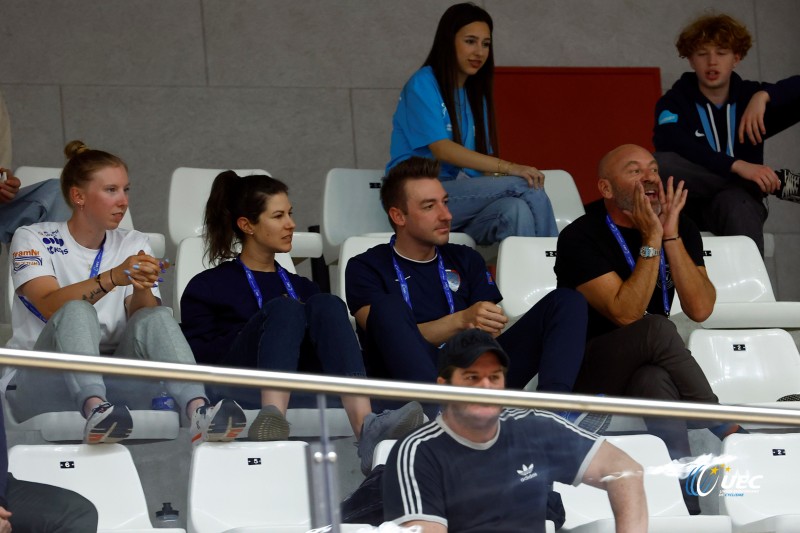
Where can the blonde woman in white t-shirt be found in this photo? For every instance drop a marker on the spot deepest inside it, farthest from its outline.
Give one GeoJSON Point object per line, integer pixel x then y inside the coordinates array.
{"type": "Point", "coordinates": [85, 286]}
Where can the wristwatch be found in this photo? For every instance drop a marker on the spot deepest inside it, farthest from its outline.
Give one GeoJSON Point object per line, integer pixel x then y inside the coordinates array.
{"type": "Point", "coordinates": [648, 251]}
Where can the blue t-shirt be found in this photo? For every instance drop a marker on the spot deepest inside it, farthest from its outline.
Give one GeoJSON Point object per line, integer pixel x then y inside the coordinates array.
{"type": "Point", "coordinates": [499, 486]}
{"type": "Point", "coordinates": [217, 303]}
{"type": "Point", "coordinates": [371, 275]}
{"type": "Point", "coordinates": [422, 118]}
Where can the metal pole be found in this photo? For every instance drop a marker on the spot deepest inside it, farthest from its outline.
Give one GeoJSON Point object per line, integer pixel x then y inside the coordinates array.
{"type": "Point", "coordinates": [396, 389]}
{"type": "Point", "coordinates": [322, 477]}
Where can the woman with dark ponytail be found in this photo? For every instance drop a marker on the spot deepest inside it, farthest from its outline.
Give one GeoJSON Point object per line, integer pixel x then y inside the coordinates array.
{"type": "Point", "coordinates": [248, 311]}
{"type": "Point", "coordinates": [85, 286]}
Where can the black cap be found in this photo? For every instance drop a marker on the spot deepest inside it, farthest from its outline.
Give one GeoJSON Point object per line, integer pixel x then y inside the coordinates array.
{"type": "Point", "coordinates": [465, 347]}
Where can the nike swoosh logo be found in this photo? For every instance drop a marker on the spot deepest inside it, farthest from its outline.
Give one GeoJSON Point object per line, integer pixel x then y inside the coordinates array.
{"type": "Point", "coordinates": [698, 134]}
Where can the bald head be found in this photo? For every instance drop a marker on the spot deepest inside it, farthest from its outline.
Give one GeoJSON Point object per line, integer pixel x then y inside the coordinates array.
{"type": "Point", "coordinates": [619, 171]}
{"type": "Point", "coordinates": [613, 162]}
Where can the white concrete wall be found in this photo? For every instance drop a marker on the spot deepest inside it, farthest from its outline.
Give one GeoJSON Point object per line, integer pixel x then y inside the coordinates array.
{"type": "Point", "coordinates": [300, 87]}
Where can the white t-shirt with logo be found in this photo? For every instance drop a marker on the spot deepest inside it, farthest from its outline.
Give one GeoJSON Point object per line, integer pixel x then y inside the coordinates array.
{"type": "Point", "coordinates": [48, 249]}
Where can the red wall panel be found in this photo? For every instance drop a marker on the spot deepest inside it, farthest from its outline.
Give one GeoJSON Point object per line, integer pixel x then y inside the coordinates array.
{"type": "Point", "coordinates": [569, 117]}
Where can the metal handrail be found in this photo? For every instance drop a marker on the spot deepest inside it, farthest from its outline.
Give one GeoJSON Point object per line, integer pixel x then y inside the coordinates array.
{"type": "Point", "coordinates": [394, 389]}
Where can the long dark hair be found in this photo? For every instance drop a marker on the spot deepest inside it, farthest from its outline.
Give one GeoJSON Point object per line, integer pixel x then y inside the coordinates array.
{"type": "Point", "coordinates": [233, 197]}
{"type": "Point", "coordinates": [479, 87]}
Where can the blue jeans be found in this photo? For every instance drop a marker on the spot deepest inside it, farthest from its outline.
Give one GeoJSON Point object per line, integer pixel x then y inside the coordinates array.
{"type": "Point", "coordinates": [35, 203]}
{"type": "Point", "coordinates": [490, 209]}
{"type": "Point", "coordinates": [286, 336]}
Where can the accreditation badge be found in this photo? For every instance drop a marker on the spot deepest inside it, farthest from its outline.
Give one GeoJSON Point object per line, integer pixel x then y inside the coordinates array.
{"type": "Point", "coordinates": [453, 280]}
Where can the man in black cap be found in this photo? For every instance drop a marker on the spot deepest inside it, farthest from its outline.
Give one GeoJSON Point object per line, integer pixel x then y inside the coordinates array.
{"type": "Point", "coordinates": [484, 468]}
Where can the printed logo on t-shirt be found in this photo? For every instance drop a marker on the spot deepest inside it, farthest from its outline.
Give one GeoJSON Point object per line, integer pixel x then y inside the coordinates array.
{"type": "Point", "coordinates": [453, 280]}
{"type": "Point", "coordinates": [26, 258]}
{"type": "Point", "coordinates": [670, 283]}
{"type": "Point", "coordinates": [667, 117]}
{"type": "Point", "coordinates": [54, 243]}
{"type": "Point", "coordinates": [489, 278]}
{"type": "Point", "coordinates": [526, 473]}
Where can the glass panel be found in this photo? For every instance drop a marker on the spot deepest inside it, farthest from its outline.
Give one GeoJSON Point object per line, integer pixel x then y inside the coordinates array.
{"type": "Point", "coordinates": [686, 466]}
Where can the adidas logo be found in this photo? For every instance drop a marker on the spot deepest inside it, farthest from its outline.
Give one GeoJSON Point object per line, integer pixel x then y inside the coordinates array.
{"type": "Point", "coordinates": [526, 473]}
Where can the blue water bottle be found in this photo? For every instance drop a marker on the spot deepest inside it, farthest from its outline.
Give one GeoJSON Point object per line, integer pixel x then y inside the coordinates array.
{"type": "Point", "coordinates": [163, 402]}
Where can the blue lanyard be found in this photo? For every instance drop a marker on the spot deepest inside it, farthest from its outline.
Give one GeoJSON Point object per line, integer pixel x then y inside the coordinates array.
{"type": "Point", "coordinates": [97, 260]}
{"type": "Point", "coordinates": [662, 266]}
{"type": "Point", "coordinates": [95, 270]}
{"type": "Point", "coordinates": [404, 286]}
{"type": "Point", "coordinates": [254, 286]}
{"type": "Point", "coordinates": [31, 308]}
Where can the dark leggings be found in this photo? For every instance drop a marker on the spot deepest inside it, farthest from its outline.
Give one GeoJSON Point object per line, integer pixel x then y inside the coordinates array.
{"type": "Point", "coordinates": [548, 340]}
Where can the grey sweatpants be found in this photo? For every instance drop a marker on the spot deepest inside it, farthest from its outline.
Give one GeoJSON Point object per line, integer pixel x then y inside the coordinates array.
{"type": "Point", "coordinates": [151, 334]}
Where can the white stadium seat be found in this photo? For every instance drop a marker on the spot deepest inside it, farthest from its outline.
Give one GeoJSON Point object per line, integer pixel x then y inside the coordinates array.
{"type": "Point", "coordinates": [351, 247]}
{"type": "Point", "coordinates": [754, 367]}
{"type": "Point", "coordinates": [382, 451]}
{"type": "Point", "coordinates": [758, 485]}
{"type": "Point", "coordinates": [744, 292]}
{"type": "Point", "coordinates": [104, 474]}
{"type": "Point", "coordinates": [564, 196]}
{"type": "Point", "coordinates": [188, 193]}
{"type": "Point", "coordinates": [270, 489]}
{"type": "Point", "coordinates": [525, 272]}
{"type": "Point", "coordinates": [588, 510]}
{"type": "Point", "coordinates": [351, 206]}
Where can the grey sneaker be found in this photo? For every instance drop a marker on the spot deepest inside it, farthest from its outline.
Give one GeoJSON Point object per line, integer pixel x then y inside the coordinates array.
{"type": "Point", "coordinates": [270, 424]}
{"type": "Point", "coordinates": [107, 424]}
{"type": "Point", "coordinates": [387, 425]}
{"type": "Point", "coordinates": [790, 185]}
{"type": "Point", "coordinates": [595, 423]}
{"type": "Point", "coordinates": [217, 423]}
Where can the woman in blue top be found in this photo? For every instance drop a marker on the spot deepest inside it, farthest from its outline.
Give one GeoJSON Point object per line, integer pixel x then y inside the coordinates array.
{"type": "Point", "coordinates": [456, 80]}
{"type": "Point", "coordinates": [250, 312]}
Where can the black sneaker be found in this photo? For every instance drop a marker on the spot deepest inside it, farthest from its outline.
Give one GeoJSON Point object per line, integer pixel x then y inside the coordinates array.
{"type": "Point", "coordinates": [790, 185]}
{"type": "Point", "coordinates": [108, 424]}
{"type": "Point", "coordinates": [270, 424]}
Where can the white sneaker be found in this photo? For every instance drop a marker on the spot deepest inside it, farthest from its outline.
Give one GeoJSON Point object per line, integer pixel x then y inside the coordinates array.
{"type": "Point", "coordinates": [218, 423]}
{"type": "Point", "coordinates": [108, 424]}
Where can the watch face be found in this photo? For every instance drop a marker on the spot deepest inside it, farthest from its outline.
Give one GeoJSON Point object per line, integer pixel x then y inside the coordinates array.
{"type": "Point", "coordinates": [648, 251]}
